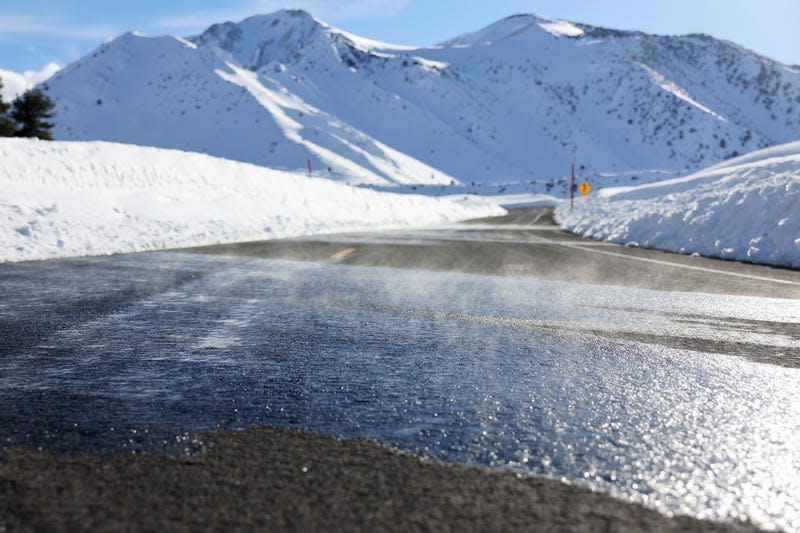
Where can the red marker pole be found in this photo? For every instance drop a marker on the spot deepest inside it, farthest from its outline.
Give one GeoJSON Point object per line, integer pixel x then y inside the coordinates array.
{"type": "Point", "coordinates": [309, 168]}
{"type": "Point", "coordinates": [572, 189]}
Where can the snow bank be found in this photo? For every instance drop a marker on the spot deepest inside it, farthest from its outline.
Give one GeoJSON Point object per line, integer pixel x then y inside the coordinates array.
{"type": "Point", "coordinates": [60, 199]}
{"type": "Point", "coordinates": [747, 209]}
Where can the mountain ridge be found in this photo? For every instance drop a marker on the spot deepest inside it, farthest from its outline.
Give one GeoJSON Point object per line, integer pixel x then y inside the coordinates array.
{"type": "Point", "coordinates": [517, 100]}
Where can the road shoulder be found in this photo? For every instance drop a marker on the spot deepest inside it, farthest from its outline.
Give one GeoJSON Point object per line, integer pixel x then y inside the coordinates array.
{"type": "Point", "coordinates": [287, 480]}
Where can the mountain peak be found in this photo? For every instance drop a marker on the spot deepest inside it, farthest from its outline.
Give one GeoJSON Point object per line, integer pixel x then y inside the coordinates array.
{"type": "Point", "coordinates": [281, 37]}
{"type": "Point", "coordinates": [288, 16]}
{"type": "Point", "coordinates": [264, 25]}
{"type": "Point", "coordinates": [517, 25]}
{"type": "Point", "coordinates": [259, 39]}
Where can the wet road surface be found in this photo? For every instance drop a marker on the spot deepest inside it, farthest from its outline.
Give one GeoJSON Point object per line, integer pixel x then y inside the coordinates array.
{"type": "Point", "coordinates": [528, 243]}
{"type": "Point", "coordinates": [678, 391]}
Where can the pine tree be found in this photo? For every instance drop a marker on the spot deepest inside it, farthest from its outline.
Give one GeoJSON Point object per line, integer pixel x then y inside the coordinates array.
{"type": "Point", "coordinates": [6, 124]}
{"type": "Point", "coordinates": [31, 112]}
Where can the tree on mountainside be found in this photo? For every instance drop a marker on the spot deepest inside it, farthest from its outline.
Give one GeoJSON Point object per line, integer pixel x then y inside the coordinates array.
{"type": "Point", "coordinates": [31, 112]}
{"type": "Point", "coordinates": [6, 124]}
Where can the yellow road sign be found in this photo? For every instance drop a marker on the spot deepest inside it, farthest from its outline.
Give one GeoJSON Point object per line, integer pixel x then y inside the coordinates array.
{"type": "Point", "coordinates": [584, 188]}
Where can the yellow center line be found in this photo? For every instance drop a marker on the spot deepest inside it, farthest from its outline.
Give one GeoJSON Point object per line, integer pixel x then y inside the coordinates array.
{"type": "Point", "coordinates": [341, 254]}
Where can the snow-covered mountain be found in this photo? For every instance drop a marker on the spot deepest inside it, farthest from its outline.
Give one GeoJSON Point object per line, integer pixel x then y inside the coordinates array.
{"type": "Point", "coordinates": [514, 102]}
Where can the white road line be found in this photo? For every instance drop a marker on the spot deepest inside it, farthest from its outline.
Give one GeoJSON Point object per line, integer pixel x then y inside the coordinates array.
{"type": "Point", "coordinates": [678, 265]}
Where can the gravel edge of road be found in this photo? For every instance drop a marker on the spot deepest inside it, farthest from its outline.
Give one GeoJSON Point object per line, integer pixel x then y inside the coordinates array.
{"type": "Point", "coordinates": [289, 480]}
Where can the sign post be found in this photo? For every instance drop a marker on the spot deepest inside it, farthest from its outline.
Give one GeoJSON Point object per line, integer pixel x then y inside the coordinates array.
{"type": "Point", "coordinates": [585, 188]}
{"type": "Point", "coordinates": [309, 168]}
{"type": "Point", "coordinates": [572, 189]}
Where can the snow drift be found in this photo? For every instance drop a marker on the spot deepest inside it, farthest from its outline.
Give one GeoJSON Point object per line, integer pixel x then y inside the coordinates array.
{"type": "Point", "coordinates": [747, 209]}
{"type": "Point", "coordinates": [61, 199]}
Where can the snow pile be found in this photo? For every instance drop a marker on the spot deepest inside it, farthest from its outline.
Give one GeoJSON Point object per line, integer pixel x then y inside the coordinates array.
{"type": "Point", "coordinates": [747, 209]}
{"type": "Point", "coordinates": [60, 199]}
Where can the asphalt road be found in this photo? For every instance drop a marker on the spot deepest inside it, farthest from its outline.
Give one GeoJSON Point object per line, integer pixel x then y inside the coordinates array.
{"type": "Point", "coordinates": [504, 343]}
{"type": "Point", "coordinates": [528, 243]}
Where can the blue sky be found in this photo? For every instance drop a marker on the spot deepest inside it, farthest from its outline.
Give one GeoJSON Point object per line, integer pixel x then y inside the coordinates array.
{"type": "Point", "coordinates": [36, 33]}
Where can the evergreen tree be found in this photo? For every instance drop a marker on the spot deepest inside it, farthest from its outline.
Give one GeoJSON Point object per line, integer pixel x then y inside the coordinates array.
{"type": "Point", "coordinates": [6, 124]}
{"type": "Point", "coordinates": [31, 112]}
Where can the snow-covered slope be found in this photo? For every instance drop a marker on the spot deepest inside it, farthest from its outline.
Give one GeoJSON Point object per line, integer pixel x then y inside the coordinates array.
{"type": "Point", "coordinates": [61, 199]}
{"type": "Point", "coordinates": [514, 102]}
{"type": "Point", "coordinates": [746, 209]}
